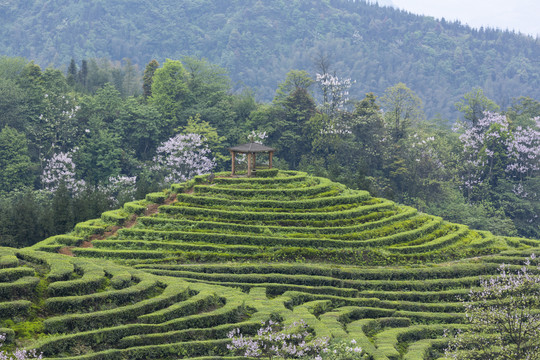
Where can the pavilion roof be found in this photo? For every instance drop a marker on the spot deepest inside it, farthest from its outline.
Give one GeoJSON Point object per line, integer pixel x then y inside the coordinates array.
{"type": "Point", "coordinates": [251, 148]}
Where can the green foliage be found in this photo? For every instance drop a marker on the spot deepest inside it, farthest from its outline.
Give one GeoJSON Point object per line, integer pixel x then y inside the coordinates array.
{"type": "Point", "coordinates": [267, 173]}
{"type": "Point", "coordinates": [170, 91]}
{"type": "Point", "coordinates": [443, 59]}
{"type": "Point", "coordinates": [211, 138]}
{"type": "Point", "coordinates": [148, 78]}
{"type": "Point", "coordinates": [473, 105]}
{"type": "Point", "coordinates": [402, 109]}
{"type": "Point", "coordinates": [294, 80]}
{"type": "Point", "coordinates": [14, 160]}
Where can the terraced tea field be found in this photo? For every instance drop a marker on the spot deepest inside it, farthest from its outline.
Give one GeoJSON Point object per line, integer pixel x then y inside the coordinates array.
{"type": "Point", "coordinates": [186, 266]}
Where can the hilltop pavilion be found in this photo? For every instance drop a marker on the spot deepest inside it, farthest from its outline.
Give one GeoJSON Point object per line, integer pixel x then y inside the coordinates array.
{"type": "Point", "coordinates": [251, 149]}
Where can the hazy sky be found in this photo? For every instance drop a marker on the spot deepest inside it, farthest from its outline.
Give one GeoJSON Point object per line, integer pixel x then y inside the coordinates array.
{"type": "Point", "coordinates": [521, 15]}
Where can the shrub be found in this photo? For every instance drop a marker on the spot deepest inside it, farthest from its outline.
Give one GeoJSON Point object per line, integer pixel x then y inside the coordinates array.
{"type": "Point", "coordinates": [266, 173]}
{"type": "Point", "coordinates": [272, 339]}
{"type": "Point", "coordinates": [17, 354]}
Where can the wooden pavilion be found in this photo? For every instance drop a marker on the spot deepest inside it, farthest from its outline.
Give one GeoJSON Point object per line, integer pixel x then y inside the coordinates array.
{"type": "Point", "coordinates": [251, 149]}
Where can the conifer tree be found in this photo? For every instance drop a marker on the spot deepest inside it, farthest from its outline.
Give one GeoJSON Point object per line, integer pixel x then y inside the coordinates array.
{"type": "Point", "coordinates": [83, 73]}
{"type": "Point", "coordinates": [149, 77]}
{"type": "Point", "coordinates": [72, 73]}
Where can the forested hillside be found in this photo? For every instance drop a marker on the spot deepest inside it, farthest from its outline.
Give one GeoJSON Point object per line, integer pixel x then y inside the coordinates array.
{"type": "Point", "coordinates": [258, 42]}
{"type": "Point", "coordinates": [75, 144]}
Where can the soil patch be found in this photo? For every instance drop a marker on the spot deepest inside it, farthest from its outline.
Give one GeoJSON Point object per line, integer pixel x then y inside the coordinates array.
{"type": "Point", "coordinates": [66, 251]}
{"type": "Point", "coordinates": [171, 199]}
{"type": "Point", "coordinates": [151, 209]}
{"type": "Point", "coordinates": [131, 221]}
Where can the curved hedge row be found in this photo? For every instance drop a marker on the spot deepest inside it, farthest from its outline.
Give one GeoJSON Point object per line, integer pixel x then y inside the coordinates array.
{"type": "Point", "coordinates": [218, 253]}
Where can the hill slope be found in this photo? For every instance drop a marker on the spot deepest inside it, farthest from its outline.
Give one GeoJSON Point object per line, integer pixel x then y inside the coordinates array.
{"type": "Point", "coordinates": [209, 256]}
{"type": "Point", "coordinates": [260, 41]}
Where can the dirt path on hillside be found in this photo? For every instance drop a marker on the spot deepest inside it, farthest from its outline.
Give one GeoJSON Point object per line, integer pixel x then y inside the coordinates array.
{"type": "Point", "coordinates": [128, 223]}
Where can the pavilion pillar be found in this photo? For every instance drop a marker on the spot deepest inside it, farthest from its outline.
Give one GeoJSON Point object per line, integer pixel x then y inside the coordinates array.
{"type": "Point", "coordinates": [233, 156]}
{"type": "Point", "coordinates": [255, 162]}
{"type": "Point", "coordinates": [249, 164]}
{"type": "Point", "coordinates": [270, 159]}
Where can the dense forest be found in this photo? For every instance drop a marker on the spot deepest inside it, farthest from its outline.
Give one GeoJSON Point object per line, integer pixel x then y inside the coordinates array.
{"type": "Point", "coordinates": [258, 42]}
{"type": "Point", "coordinates": [74, 144]}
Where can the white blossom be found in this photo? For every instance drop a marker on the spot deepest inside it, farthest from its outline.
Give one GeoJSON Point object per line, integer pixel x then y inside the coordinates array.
{"type": "Point", "coordinates": [182, 157]}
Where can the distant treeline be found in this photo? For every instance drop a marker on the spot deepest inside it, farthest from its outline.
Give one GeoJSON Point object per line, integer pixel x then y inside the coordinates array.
{"type": "Point", "coordinates": [258, 42]}
{"type": "Point", "coordinates": [74, 144]}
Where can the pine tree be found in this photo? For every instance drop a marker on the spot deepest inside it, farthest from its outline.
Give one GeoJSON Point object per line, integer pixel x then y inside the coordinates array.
{"type": "Point", "coordinates": [149, 77]}
{"type": "Point", "coordinates": [83, 73]}
{"type": "Point", "coordinates": [72, 73]}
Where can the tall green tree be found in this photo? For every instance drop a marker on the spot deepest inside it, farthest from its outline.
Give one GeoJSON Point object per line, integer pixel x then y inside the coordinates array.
{"type": "Point", "coordinates": [170, 92]}
{"type": "Point", "coordinates": [72, 73]}
{"type": "Point", "coordinates": [101, 154]}
{"type": "Point", "coordinates": [141, 128]}
{"type": "Point", "coordinates": [12, 104]}
{"type": "Point", "coordinates": [402, 108]}
{"type": "Point", "coordinates": [82, 75]}
{"type": "Point", "coordinates": [294, 80]}
{"type": "Point", "coordinates": [474, 104]}
{"type": "Point", "coordinates": [286, 120]}
{"type": "Point", "coordinates": [57, 126]}
{"type": "Point", "coordinates": [369, 132]}
{"type": "Point", "coordinates": [14, 160]}
{"type": "Point", "coordinates": [148, 78]}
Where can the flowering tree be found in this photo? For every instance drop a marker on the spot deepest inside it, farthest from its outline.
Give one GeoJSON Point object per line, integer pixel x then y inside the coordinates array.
{"type": "Point", "coordinates": [484, 148]}
{"type": "Point", "coordinates": [257, 136]}
{"type": "Point", "coordinates": [504, 314]}
{"type": "Point", "coordinates": [335, 91]}
{"type": "Point", "coordinates": [524, 150]}
{"type": "Point", "coordinates": [18, 354]}
{"type": "Point", "coordinates": [182, 157]}
{"type": "Point", "coordinates": [120, 189]}
{"type": "Point", "coordinates": [61, 168]}
{"type": "Point", "coordinates": [492, 151]}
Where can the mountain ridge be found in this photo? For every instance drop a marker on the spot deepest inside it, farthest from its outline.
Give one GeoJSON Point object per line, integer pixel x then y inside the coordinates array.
{"type": "Point", "coordinates": [259, 42]}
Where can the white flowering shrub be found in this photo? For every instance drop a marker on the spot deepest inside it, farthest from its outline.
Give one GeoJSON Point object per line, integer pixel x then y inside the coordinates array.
{"type": "Point", "coordinates": [120, 189]}
{"type": "Point", "coordinates": [182, 157]}
{"type": "Point", "coordinates": [291, 342]}
{"type": "Point", "coordinates": [17, 354]}
{"type": "Point", "coordinates": [61, 168]}
{"type": "Point", "coordinates": [343, 350]}
{"type": "Point", "coordinates": [504, 317]}
{"type": "Point", "coordinates": [274, 340]}
{"type": "Point", "coordinates": [524, 150]}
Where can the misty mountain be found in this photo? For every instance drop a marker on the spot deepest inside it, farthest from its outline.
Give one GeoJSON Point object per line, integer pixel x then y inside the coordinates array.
{"type": "Point", "coordinates": [258, 42]}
